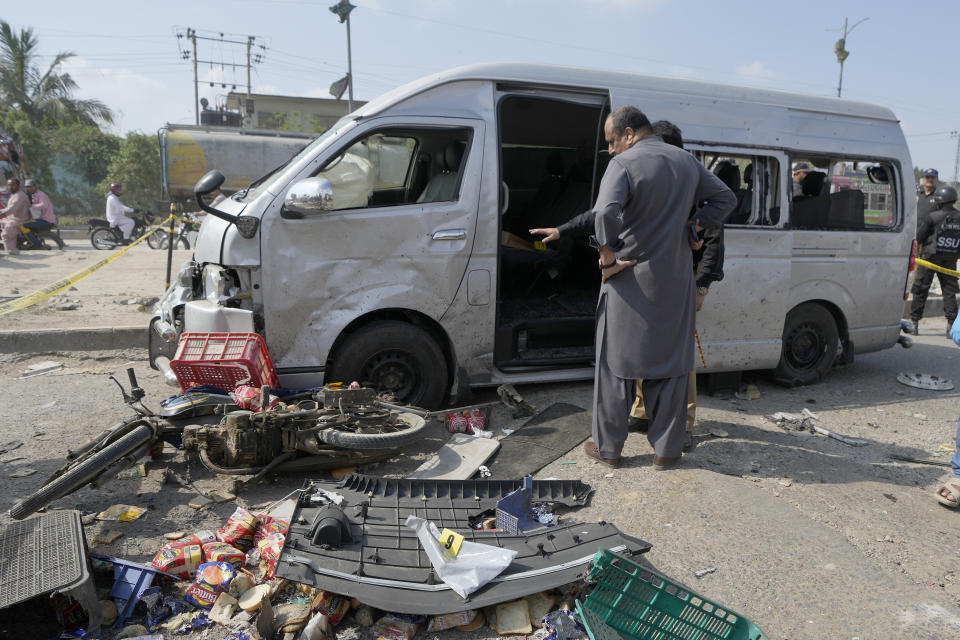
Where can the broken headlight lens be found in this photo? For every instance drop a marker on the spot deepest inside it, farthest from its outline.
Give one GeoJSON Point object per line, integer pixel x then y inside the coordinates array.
{"type": "Point", "coordinates": [217, 284]}
{"type": "Point", "coordinates": [186, 274]}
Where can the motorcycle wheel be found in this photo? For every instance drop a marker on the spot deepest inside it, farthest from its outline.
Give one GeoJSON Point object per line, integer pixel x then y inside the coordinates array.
{"type": "Point", "coordinates": [53, 237]}
{"type": "Point", "coordinates": [181, 243]}
{"type": "Point", "coordinates": [158, 239]}
{"type": "Point", "coordinates": [391, 438]}
{"type": "Point", "coordinates": [23, 244]}
{"type": "Point", "coordinates": [82, 473]}
{"type": "Point", "coordinates": [103, 239]}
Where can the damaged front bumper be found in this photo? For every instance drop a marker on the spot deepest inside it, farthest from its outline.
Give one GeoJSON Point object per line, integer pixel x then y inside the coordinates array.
{"type": "Point", "coordinates": [197, 302]}
{"type": "Point", "coordinates": [381, 563]}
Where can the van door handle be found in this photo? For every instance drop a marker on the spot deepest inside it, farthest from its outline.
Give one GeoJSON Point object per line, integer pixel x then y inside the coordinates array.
{"type": "Point", "coordinates": [450, 234]}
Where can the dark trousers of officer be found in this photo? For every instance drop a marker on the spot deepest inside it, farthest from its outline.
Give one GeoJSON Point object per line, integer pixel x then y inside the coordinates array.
{"type": "Point", "coordinates": [948, 285]}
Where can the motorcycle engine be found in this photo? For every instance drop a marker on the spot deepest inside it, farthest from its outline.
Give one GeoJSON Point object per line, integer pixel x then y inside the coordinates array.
{"type": "Point", "coordinates": [242, 440]}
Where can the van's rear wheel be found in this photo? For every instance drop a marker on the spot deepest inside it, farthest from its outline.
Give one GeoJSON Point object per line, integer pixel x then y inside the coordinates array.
{"type": "Point", "coordinates": [397, 357]}
{"type": "Point", "coordinates": [810, 339]}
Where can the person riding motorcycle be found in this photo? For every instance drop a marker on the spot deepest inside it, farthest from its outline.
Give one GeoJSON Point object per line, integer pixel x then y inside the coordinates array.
{"type": "Point", "coordinates": [116, 212]}
{"type": "Point", "coordinates": [39, 201]}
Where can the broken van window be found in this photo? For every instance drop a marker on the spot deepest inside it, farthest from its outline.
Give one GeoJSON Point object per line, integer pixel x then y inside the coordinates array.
{"type": "Point", "coordinates": [839, 194]}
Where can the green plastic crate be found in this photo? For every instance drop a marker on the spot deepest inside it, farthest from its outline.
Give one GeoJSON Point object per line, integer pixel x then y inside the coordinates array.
{"type": "Point", "coordinates": [630, 601]}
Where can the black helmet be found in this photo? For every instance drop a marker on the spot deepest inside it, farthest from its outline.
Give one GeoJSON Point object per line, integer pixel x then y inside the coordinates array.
{"type": "Point", "coordinates": [945, 195]}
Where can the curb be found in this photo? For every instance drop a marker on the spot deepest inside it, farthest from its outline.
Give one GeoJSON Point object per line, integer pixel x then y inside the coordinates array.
{"type": "Point", "coordinates": [89, 339]}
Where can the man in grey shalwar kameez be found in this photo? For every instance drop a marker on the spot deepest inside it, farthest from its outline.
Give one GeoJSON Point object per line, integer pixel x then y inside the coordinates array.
{"type": "Point", "coordinates": [647, 305]}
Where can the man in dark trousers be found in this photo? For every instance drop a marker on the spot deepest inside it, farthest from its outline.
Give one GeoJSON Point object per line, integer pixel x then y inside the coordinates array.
{"type": "Point", "coordinates": [940, 240]}
{"type": "Point", "coordinates": [707, 265]}
{"type": "Point", "coordinates": [925, 206]}
{"type": "Point", "coordinates": [645, 313]}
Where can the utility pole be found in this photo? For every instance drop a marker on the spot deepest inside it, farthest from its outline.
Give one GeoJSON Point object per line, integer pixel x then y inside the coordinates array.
{"type": "Point", "coordinates": [840, 48]}
{"type": "Point", "coordinates": [249, 46]}
{"type": "Point", "coordinates": [349, 70]}
{"type": "Point", "coordinates": [253, 57]}
{"type": "Point", "coordinates": [956, 160]}
{"type": "Point", "coordinates": [342, 10]}
{"type": "Point", "coordinates": [192, 34]}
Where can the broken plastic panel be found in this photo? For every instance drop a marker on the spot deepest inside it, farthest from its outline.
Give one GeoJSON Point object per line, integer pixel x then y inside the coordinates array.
{"type": "Point", "coordinates": [383, 564]}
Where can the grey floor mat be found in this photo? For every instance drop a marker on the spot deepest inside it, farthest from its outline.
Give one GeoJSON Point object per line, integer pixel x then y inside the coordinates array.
{"type": "Point", "coordinates": [545, 437]}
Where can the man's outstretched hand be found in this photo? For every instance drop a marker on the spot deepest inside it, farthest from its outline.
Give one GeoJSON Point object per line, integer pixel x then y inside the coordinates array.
{"type": "Point", "coordinates": [549, 234]}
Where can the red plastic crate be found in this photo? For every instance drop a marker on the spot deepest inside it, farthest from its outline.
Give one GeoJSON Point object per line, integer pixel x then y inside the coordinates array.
{"type": "Point", "coordinates": [224, 360]}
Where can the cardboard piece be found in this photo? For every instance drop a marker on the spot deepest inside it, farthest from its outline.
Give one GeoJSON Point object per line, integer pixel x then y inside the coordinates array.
{"type": "Point", "coordinates": [513, 618]}
{"type": "Point", "coordinates": [458, 459]}
{"type": "Point", "coordinates": [540, 604]}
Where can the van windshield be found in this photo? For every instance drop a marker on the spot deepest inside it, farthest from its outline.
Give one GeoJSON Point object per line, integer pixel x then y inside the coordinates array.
{"type": "Point", "coordinates": [264, 182]}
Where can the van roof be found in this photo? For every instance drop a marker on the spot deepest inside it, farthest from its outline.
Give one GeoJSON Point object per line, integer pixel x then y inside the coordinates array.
{"type": "Point", "coordinates": [579, 78]}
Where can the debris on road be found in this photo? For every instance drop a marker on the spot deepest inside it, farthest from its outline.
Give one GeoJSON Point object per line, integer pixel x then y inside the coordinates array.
{"type": "Point", "coordinates": [925, 381]}
{"type": "Point", "coordinates": [21, 473]}
{"type": "Point", "coordinates": [41, 368]}
{"type": "Point", "coordinates": [121, 513]}
{"type": "Point", "coordinates": [935, 463]}
{"type": "Point", "coordinates": [514, 401]}
{"type": "Point", "coordinates": [703, 572]}
{"type": "Point", "coordinates": [748, 392]}
{"type": "Point", "coordinates": [853, 442]}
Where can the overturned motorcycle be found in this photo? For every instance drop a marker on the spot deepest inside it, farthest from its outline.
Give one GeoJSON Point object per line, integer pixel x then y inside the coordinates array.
{"type": "Point", "coordinates": [308, 431]}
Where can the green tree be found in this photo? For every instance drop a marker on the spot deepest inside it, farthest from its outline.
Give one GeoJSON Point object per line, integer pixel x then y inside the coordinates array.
{"type": "Point", "coordinates": [45, 97]}
{"type": "Point", "coordinates": [136, 165]}
{"type": "Point", "coordinates": [37, 151]}
{"type": "Point", "coordinates": [81, 157]}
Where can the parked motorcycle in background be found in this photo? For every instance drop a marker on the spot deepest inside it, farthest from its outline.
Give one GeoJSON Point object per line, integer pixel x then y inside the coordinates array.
{"type": "Point", "coordinates": [105, 237]}
{"type": "Point", "coordinates": [188, 223]}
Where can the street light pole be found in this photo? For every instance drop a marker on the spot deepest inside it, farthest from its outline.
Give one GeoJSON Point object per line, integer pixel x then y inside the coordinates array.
{"type": "Point", "coordinates": [349, 70]}
{"type": "Point", "coordinates": [342, 10]}
{"type": "Point", "coordinates": [840, 48]}
{"type": "Point", "coordinates": [956, 160]}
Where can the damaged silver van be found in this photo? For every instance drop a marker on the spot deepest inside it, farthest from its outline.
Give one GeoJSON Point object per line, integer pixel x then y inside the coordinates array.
{"type": "Point", "coordinates": [394, 248]}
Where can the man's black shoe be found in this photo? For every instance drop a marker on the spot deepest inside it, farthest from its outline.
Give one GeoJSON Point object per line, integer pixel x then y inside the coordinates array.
{"type": "Point", "coordinates": [916, 328]}
{"type": "Point", "coordinates": [638, 424]}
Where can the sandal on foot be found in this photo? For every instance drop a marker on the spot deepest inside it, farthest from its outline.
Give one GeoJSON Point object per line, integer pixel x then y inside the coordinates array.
{"type": "Point", "coordinates": [662, 464]}
{"type": "Point", "coordinates": [590, 448]}
{"type": "Point", "coordinates": [952, 486]}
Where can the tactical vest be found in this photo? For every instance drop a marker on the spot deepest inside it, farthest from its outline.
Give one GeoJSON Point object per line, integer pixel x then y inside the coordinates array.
{"type": "Point", "coordinates": [948, 236]}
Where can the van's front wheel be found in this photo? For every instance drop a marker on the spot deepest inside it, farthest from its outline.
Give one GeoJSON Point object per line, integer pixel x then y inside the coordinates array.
{"type": "Point", "coordinates": [810, 339]}
{"type": "Point", "coordinates": [394, 356]}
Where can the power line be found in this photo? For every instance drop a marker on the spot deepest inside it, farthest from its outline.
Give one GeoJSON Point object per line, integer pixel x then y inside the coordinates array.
{"type": "Point", "coordinates": [255, 55]}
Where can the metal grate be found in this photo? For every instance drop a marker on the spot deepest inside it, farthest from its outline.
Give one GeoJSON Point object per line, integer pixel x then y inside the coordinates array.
{"type": "Point", "coordinates": [39, 555]}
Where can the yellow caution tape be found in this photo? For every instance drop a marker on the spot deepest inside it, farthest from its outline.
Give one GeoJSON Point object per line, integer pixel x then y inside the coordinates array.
{"type": "Point", "coordinates": [59, 285]}
{"type": "Point", "coordinates": [936, 267]}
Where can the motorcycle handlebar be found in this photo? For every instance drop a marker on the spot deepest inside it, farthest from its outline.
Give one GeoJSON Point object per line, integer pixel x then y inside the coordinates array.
{"type": "Point", "coordinates": [132, 377]}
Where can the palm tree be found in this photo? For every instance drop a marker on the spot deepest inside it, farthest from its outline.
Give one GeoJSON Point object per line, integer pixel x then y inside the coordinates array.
{"type": "Point", "coordinates": [45, 98]}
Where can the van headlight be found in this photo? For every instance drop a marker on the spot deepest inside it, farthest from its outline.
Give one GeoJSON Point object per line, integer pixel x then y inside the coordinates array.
{"type": "Point", "coordinates": [187, 273]}
{"type": "Point", "coordinates": [217, 284]}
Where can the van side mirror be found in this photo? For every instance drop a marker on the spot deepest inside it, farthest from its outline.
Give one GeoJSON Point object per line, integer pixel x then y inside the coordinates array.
{"type": "Point", "coordinates": [307, 197]}
{"type": "Point", "coordinates": [210, 182]}
{"type": "Point", "coordinates": [878, 175]}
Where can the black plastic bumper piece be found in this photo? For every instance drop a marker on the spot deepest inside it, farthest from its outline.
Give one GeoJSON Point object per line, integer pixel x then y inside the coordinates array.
{"type": "Point", "coordinates": [382, 564]}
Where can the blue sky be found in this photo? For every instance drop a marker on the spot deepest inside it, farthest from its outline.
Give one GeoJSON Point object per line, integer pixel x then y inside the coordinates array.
{"type": "Point", "coordinates": [128, 55]}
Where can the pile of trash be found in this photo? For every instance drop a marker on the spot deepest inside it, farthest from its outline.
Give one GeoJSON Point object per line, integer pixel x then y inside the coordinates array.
{"type": "Point", "coordinates": [227, 578]}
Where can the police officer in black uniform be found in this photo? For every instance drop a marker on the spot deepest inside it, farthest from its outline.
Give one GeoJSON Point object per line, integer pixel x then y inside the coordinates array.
{"type": "Point", "coordinates": [925, 204]}
{"type": "Point", "coordinates": [939, 238]}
